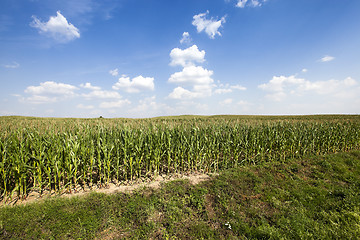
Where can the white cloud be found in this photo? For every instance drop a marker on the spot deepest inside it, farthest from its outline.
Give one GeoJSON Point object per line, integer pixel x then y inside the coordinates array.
{"type": "Point", "coordinates": [135, 85]}
{"type": "Point", "coordinates": [146, 104]}
{"type": "Point", "coordinates": [210, 26]}
{"type": "Point", "coordinates": [181, 93]}
{"type": "Point", "coordinates": [243, 103]}
{"type": "Point", "coordinates": [277, 84]}
{"type": "Point", "coordinates": [192, 75]}
{"type": "Point", "coordinates": [13, 65]}
{"type": "Point", "coordinates": [327, 58]}
{"type": "Point", "coordinates": [227, 101]}
{"type": "Point", "coordinates": [89, 86]}
{"type": "Point", "coordinates": [82, 106]}
{"type": "Point", "coordinates": [114, 72]}
{"type": "Point", "coordinates": [228, 89]}
{"type": "Point", "coordinates": [52, 88]}
{"type": "Point", "coordinates": [238, 87]}
{"type": "Point", "coordinates": [186, 39]}
{"type": "Point", "coordinates": [187, 56]}
{"type": "Point", "coordinates": [304, 70]}
{"type": "Point", "coordinates": [149, 107]}
{"type": "Point", "coordinates": [280, 87]}
{"type": "Point", "coordinates": [57, 27]}
{"type": "Point", "coordinates": [198, 91]}
{"type": "Point", "coordinates": [115, 104]}
{"type": "Point", "coordinates": [101, 94]}
{"type": "Point", "coordinates": [241, 3]}
{"type": "Point", "coordinates": [223, 90]}
{"type": "Point", "coordinates": [250, 3]}
{"type": "Point", "coordinates": [328, 87]}
{"type": "Point", "coordinates": [38, 99]}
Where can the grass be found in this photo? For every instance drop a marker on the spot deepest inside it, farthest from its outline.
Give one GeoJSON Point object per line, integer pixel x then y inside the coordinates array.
{"type": "Point", "coordinates": [316, 197]}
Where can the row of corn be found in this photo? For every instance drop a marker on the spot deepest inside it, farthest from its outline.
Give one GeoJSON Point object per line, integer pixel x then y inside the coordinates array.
{"type": "Point", "coordinates": [87, 153]}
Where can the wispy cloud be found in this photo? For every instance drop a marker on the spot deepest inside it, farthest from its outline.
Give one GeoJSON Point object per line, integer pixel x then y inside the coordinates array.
{"type": "Point", "coordinates": [13, 65]}
{"type": "Point", "coordinates": [250, 3]}
{"type": "Point", "coordinates": [57, 27]}
{"type": "Point", "coordinates": [87, 107]}
{"type": "Point", "coordinates": [114, 72]}
{"type": "Point", "coordinates": [102, 94]}
{"type": "Point", "coordinates": [115, 104]}
{"type": "Point", "coordinates": [327, 58]}
{"type": "Point", "coordinates": [186, 39]}
{"type": "Point", "coordinates": [228, 89]}
{"type": "Point", "coordinates": [280, 87]}
{"type": "Point", "coordinates": [227, 101]}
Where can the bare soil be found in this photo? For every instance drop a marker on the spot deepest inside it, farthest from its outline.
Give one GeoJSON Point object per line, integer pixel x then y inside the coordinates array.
{"type": "Point", "coordinates": [111, 188]}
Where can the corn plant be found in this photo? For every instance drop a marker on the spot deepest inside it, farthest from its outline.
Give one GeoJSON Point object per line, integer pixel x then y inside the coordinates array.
{"type": "Point", "coordinates": [63, 154]}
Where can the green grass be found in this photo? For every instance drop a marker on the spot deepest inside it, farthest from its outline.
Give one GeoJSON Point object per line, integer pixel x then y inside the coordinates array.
{"type": "Point", "coordinates": [315, 197]}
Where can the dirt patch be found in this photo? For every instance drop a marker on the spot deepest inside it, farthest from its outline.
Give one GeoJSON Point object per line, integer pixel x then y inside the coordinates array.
{"type": "Point", "coordinates": [126, 187]}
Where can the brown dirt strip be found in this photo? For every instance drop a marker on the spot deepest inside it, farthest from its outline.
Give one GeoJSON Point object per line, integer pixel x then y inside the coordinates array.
{"type": "Point", "coordinates": [128, 187]}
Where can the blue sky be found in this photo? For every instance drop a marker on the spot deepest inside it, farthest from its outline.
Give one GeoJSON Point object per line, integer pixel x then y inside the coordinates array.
{"type": "Point", "coordinates": [146, 58]}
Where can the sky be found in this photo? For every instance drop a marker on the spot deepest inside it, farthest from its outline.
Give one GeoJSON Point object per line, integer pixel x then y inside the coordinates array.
{"type": "Point", "coordinates": [148, 58]}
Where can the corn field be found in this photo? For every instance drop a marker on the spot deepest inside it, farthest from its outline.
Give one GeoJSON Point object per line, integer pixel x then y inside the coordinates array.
{"type": "Point", "coordinates": [38, 154]}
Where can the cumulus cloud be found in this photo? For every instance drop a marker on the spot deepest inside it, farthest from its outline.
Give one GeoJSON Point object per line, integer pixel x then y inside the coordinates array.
{"type": "Point", "coordinates": [181, 93]}
{"type": "Point", "coordinates": [250, 3]}
{"type": "Point", "coordinates": [115, 104]}
{"type": "Point", "coordinates": [186, 39]}
{"type": "Point", "coordinates": [192, 75]}
{"type": "Point", "coordinates": [187, 57]}
{"type": "Point", "coordinates": [48, 92]}
{"type": "Point", "coordinates": [57, 27]}
{"type": "Point", "coordinates": [89, 86]}
{"type": "Point", "coordinates": [304, 70]}
{"type": "Point", "coordinates": [102, 94]}
{"type": "Point", "coordinates": [114, 72]}
{"type": "Point", "coordinates": [196, 77]}
{"type": "Point", "coordinates": [277, 84]}
{"type": "Point", "coordinates": [280, 87]}
{"type": "Point", "coordinates": [210, 26]}
{"type": "Point", "coordinates": [135, 85]}
{"type": "Point", "coordinates": [51, 88]}
{"type": "Point", "coordinates": [327, 58]}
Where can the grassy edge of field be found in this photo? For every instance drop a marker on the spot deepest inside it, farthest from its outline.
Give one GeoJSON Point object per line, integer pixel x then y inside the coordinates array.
{"type": "Point", "coordinates": [316, 197]}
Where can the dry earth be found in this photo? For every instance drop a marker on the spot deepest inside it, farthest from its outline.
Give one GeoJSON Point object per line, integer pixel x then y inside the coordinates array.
{"type": "Point", "coordinates": [125, 187]}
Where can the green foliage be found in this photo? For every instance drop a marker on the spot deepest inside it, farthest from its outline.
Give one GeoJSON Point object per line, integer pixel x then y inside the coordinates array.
{"type": "Point", "coordinates": [277, 200]}
{"type": "Point", "coordinates": [67, 154]}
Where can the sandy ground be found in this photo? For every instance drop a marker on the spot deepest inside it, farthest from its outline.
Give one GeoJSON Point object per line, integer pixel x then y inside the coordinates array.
{"type": "Point", "coordinates": [127, 187]}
